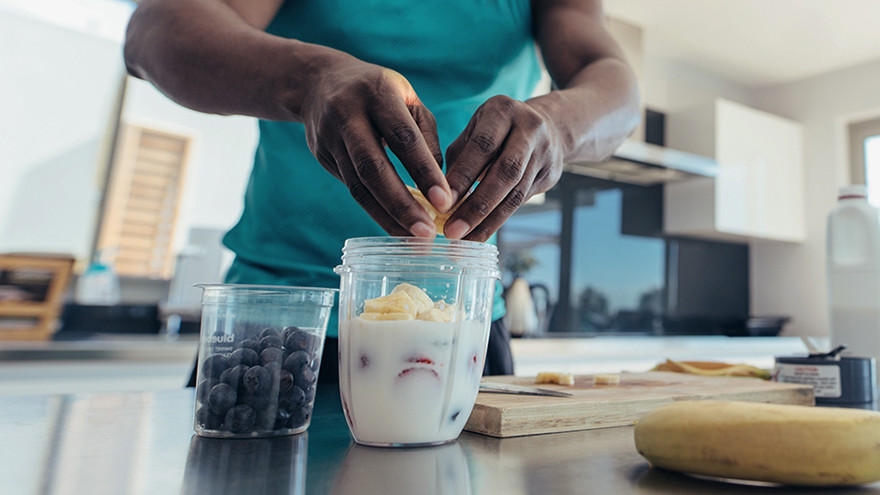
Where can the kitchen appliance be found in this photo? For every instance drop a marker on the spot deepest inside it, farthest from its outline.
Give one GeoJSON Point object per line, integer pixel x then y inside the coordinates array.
{"type": "Point", "coordinates": [601, 406]}
{"type": "Point", "coordinates": [837, 381]}
{"type": "Point", "coordinates": [647, 164]}
{"type": "Point", "coordinates": [528, 308]}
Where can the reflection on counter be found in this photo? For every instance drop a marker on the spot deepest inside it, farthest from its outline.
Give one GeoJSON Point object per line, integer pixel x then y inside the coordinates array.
{"type": "Point", "coordinates": [426, 471]}
{"type": "Point", "coordinates": [257, 466]}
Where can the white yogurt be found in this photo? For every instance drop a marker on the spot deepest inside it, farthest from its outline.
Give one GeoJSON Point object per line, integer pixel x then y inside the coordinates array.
{"type": "Point", "coordinates": [409, 381]}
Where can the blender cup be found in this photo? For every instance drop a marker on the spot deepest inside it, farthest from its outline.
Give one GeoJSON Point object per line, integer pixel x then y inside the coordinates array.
{"type": "Point", "coordinates": [259, 356]}
{"type": "Point", "coordinates": [414, 321]}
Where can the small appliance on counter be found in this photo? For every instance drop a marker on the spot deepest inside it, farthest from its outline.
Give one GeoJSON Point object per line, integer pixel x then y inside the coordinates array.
{"type": "Point", "coordinates": [841, 381]}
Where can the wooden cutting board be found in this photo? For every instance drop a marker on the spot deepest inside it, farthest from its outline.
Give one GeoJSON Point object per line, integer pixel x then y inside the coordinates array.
{"type": "Point", "coordinates": [602, 406]}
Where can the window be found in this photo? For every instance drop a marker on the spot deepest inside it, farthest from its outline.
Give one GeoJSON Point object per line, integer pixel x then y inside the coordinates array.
{"type": "Point", "coordinates": [142, 201]}
{"type": "Point", "coordinates": [597, 253]}
{"type": "Point", "coordinates": [617, 279]}
{"type": "Point", "coordinates": [872, 167]}
{"type": "Point", "coordinates": [864, 155]}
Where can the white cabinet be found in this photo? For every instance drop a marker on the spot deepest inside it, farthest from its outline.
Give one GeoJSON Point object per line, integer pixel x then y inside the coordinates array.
{"type": "Point", "coordinates": [759, 190]}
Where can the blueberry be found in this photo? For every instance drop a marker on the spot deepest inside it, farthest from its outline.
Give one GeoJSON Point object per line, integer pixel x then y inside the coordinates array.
{"type": "Point", "coordinates": [232, 376]}
{"type": "Point", "coordinates": [269, 331]}
{"type": "Point", "coordinates": [287, 332]}
{"type": "Point", "coordinates": [214, 365]}
{"type": "Point", "coordinates": [293, 399]}
{"type": "Point", "coordinates": [309, 394]}
{"type": "Point", "coordinates": [282, 419]}
{"type": "Point", "coordinates": [208, 420]}
{"type": "Point", "coordinates": [299, 341]}
{"type": "Point", "coordinates": [252, 344]}
{"type": "Point", "coordinates": [274, 367]}
{"type": "Point", "coordinates": [221, 398]}
{"type": "Point", "coordinates": [297, 361]}
{"type": "Point", "coordinates": [240, 419]}
{"type": "Point", "coordinates": [258, 401]}
{"type": "Point", "coordinates": [285, 382]}
{"type": "Point", "coordinates": [245, 356]}
{"type": "Point", "coordinates": [305, 377]}
{"type": "Point", "coordinates": [300, 416]}
{"type": "Point", "coordinates": [271, 355]}
{"type": "Point", "coordinates": [257, 379]}
{"type": "Point", "coordinates": [203, 388]}
{"type": "Point", "coordinates": [270, 341]}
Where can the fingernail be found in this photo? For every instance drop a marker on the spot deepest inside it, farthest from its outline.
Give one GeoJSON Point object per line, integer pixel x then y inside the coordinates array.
{"type": "Point", "coordinates": [421, 229]}
{"type": "Point", "coordinates": [439, 198]}
{"type": "Point", "coordinates": [457, 229]}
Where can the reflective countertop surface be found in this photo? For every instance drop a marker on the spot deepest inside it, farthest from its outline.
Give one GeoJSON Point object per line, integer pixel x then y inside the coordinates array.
{"type": "Point", "coordinates": [143, 443]}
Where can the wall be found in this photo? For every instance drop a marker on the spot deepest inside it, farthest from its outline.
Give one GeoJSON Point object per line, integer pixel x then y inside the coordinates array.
{"type": "Point", "coordinates": [671, 85]}
{"type": "Point", "coordinates": [56, 109]}
{"type": "Point", "coordinates": [221, 159]}
{"type": "Point", "coordinates": [790, 279]}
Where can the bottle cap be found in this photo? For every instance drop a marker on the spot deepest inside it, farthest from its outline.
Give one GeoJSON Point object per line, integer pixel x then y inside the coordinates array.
{"type": "Point", "coordinates": [855, 191]}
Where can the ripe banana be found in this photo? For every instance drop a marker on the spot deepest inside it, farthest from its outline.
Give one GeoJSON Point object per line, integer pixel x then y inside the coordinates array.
{"type": "Point", "coordinates": [796, 445]}
{"type": "Point", "coordinates": [711, 368]}
{"type": "Point", "coordinates": [407, 302]}
{"type": "Point", "coordinates": [438, 218]}
{"type": "Point", "coordinates": [556, 377]}
{"type": "Point", "coordinates": [421, 300]}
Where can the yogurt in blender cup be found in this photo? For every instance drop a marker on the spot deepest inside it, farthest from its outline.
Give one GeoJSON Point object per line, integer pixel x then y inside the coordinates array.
{"type": "Point", "coordinates": [413, 330]}
{"type": "Point", "coordinates": [410, 378]}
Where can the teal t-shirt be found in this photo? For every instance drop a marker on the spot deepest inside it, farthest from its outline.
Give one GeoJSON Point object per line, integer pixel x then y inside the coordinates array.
{"type": "Point", "coordinates": [455, 53]}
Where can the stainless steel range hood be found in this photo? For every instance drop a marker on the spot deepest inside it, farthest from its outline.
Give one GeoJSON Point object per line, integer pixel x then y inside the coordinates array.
{"type": "Point", "coordinates": [647, 164]}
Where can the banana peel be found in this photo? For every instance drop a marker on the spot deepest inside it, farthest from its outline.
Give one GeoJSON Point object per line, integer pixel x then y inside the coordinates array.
{"type": "Point", "coordinates": [713, 368]}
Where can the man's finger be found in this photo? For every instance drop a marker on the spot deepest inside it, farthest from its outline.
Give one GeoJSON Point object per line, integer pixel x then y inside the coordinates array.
{"type": "Point", "coordinates": [476, 149]}
{"type": "Point", "coordinates": [365, 198]}
{"type": "Point", "coordinates": [514, 199]}
{"type": "Point", "coordinates": [377, 174]}
{"type": "Point", "coordinates": [428, 125]}
{"type": "Point", "coordinates": [501, 177]}
{"type": "Point", "coordinates": [406, 139]}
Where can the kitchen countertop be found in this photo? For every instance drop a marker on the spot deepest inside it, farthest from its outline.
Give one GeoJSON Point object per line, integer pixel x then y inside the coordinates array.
{"type": "Point", "coordinates": [143, 443]}
{"type": "Point", "coordinates": [111, 363]}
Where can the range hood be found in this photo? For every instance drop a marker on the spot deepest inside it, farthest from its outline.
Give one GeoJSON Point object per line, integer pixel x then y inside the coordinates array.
{"type": "Point", "coordinates": [646, 164]}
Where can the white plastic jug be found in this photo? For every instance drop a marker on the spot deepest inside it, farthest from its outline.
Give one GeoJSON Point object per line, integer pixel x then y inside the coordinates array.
{"type": "Point", "coordinates": [853, 242]}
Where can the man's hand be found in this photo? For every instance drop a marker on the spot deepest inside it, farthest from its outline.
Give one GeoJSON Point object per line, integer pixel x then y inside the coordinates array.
{"type": "Point", "coordinates": [355, 107]}
{"type": "Point", "coordinates": [516, 149]}
{"type": "Point", "coordinates": [513, 148]}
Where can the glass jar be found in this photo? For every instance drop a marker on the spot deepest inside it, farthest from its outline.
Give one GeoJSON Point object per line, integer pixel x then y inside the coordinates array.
{"type": "Point", "coordinates": [414, 317]}
{"type": "Point", "coordinates": [259, 356]}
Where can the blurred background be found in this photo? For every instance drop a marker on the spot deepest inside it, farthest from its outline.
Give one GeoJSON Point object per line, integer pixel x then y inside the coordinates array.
{"type": "Point", "coordinates": [710, 220]}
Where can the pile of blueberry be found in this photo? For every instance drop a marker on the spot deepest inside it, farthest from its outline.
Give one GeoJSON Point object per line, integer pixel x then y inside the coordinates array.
{"type": "Point", "coordinates": [266, 382]}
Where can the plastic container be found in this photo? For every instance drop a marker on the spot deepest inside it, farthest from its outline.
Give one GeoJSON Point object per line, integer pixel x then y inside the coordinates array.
{"type": "Point", "coordinates": [853, 242]}
{"type": "Point", "coordinates": [259, 356]}
{"type": "Point", "coordinates": [413, 381]}
{"type": "Point", "coordinates": [98, 285]}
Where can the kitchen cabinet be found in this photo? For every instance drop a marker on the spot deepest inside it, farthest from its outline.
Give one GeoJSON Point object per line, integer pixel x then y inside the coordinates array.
{"type": "Point", "coordinates": [758, 192]}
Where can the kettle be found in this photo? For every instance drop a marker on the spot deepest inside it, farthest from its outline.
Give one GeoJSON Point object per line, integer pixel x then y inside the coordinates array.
{"type": "Point", "coordinates": [523, 316]}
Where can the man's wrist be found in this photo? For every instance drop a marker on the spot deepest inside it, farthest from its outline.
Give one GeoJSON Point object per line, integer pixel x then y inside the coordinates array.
{"type": "Point", "coordinates": [551, 106]}
{"type": "Point", "coordinates": [304, 66]}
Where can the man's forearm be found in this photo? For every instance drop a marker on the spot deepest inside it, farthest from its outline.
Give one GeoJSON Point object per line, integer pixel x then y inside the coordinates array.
{"type": "Point", "coordinates": [203, 55]}
{"type": "Point", "coordinates": [596, 111]}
